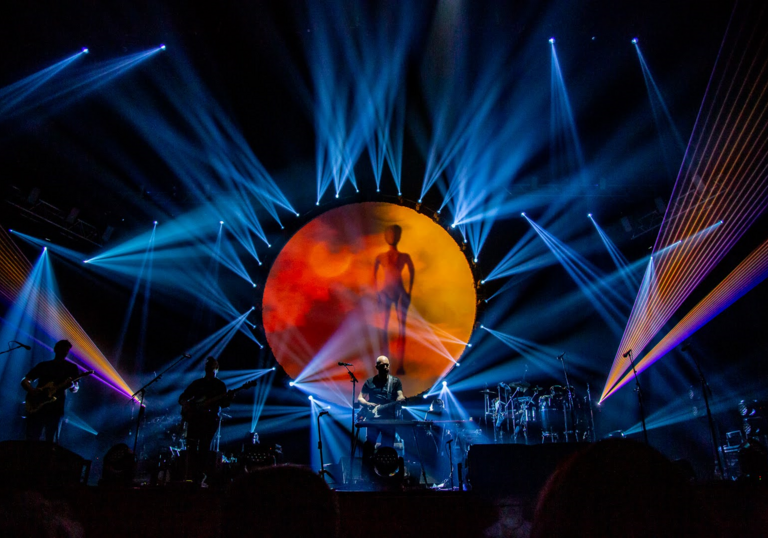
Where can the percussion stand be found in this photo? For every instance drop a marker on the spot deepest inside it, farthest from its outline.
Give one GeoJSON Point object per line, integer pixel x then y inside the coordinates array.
{"type": "Point", "coordinates": [561, 358]}
{"type": "Point", "coordinates": [322, 472]}
{"type": "Point", "coordinates": [639, 394]}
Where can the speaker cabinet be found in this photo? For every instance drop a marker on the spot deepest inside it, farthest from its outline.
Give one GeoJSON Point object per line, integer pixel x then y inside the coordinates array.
{"type": "Point", "coordinates": [41, 464]}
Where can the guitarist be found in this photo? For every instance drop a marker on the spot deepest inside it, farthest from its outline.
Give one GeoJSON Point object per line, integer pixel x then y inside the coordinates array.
{"type": "Point", "coordinates": [203, 418]}
{"type": "Point", "coordinates": [377, 391]}
{"type": "Point", "coordinates": [51, 373]}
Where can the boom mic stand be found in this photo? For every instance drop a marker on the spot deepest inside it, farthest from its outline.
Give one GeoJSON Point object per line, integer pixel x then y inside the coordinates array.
{"type": "Point", "coordinates": [639, 394]}
{"type": "Point", "coordinates": [142, 391]}
{"type": "Point", "coordinates": [561, 358]}
{"type": "Point", "coordinates": [712, 430]}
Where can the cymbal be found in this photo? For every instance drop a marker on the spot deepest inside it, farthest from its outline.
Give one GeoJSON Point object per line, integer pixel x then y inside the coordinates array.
{"type": "Point", "coordinates": [524, 385]}
{"type": "Point", "coordinates": [486, 391]}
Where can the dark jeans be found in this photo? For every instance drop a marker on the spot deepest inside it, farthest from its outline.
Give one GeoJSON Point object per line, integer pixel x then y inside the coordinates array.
{"type": "Point", "coordinates": [50, 422]}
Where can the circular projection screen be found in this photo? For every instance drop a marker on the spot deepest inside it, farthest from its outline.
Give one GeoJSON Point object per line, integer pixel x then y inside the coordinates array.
{"type": "Point", "coordinates": [340, 291]}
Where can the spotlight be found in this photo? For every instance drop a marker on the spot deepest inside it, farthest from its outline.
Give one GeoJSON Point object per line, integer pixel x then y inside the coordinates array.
{"type": "Point", "coordinates": [162, 47]}
{"type": "Point", "coordinates": [45, 248]}
{"type": "Point", "coordinates": [337, 195]}
{"type": "Point", "coordinates": [399, 193]}
{"type": "Point", "coordinates": [634, 41]}
{"type": "Point", "coordinates": [253, 307]}
{"type": "Point", "coordinates": [155, 223]}
{"type": "Point", "coordinates": [551, 40]}
{"type": "Point", "coordinates": [458, 364]}
{"type": "Point", "coordinates": [273, 368]}
{"type": "Point", "coordinates": [269, 246]}
{"type": "Point", "coordinates": [85, 50]}
{"type": "Point", "coordinates": [291, 383]}
{"type": "Point", "coordinates": [482, 282]}
{"type": "Point", "coordinates": [475, 260]}
{"type": "Point", "coordinates": [453, 225]}
{"type": "Point", "coordinates": [522, 214]}
{"type": "Point", "coordinates": [589, 215]}
{"type": "Point", "coordinates": [445, 383]}
{"type": "Point", "coordinates": [254, 285]}
{"type": "Point", "coordinates": [310, 397]}
{"type": "Point", "coordinates": [297, 214]}
{"type": "Point", "coordinates": [221, 222]}
{"type": "Point", "coordinates": [317, 203]}
{"type": "Point", "coordinates": [719, 221]}
{"type": "Point", "coordinates": [425, 396]}
{"type": "Point", "coordinates": [469, 345]}
{"type": "Point", "coordinates": [482, 326]}
{"type": "Point", "coordinates": [419, 200]}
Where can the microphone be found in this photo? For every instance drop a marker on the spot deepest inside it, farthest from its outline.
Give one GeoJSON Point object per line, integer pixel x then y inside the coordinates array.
{"type": "Point", "coordinates": [627, 354]}
{"type": "Point", "coordinates": [560, 357]}
{"type": "Point", "coordinates": [321, 413]}
{"type": "Point", "coordinates": [25, 346]}
{"type": "Point", "coordinates": [449, 441]}
{"type": "Point", "coordinates": [345, 364]}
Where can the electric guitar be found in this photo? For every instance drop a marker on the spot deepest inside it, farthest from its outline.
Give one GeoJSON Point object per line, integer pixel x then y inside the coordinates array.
{"type": "Point", "coordinates": [199, 407]}
{"type": "Point", "coordinates": [35, 402]}
{"type": "Point", "coordinates": [380, 411]}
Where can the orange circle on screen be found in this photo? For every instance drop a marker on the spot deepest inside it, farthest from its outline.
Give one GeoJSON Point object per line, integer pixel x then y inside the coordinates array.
{"type": "Point", "coordinates": [365, 280]}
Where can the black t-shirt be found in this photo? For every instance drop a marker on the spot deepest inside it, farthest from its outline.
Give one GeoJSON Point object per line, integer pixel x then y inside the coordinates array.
{"type": "Point", "coordinates": [382, 391]}
{"type": "Point", "coordinates": [56, 372]}
{"type": "Point", "coordinates": [203, 389]}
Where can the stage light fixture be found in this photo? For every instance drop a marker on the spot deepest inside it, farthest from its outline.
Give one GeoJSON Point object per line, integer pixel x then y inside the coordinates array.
{"type": "Point", "coordinates": [589, 215]}
{"type": "Point", "coordinates": [162, 47]}
{"type": "Point", "coordinates": [634, 41]}
{"type": "Point", "coordinates": [310, 397]}
{"type": "Point", "coordinates": [291, 383]}
{"type": "Point", "coordinates": [155, 223]}
{"type": "Point", "coordinates": [254, 285]}
{"type": "Point", "coordinates": [453, 225]}
{"type": "Point", "coordinates": [551, 40]}
{"type": "Point", "coordinates": [445, 383]}
{"type": "Point", "coordinates": [317, 203]}
{"type": "Point", "coordinates": [458, 364]}
{"type": "Point", "coordinates": [221, 222]}
{"type": "Point", "coordinates": [297, 214]}
{"type": "Point", "coordinates": [337, 195]}
{"type": "Point", "coordinates": [475, 260]}
{"type": "Point", "coordinates": [273, 368]}
{"type": "Point", "coordinates": [522, 214]}
{"type": "Point", "coordinates": [419, 200]}
{"type": "Point", "coordinates": [85, 50]}
{"type": "Point", "coordinates": [469, 345]}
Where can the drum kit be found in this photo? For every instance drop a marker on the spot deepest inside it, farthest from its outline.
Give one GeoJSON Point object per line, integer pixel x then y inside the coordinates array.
{"type": "Point", "coordinates": [530, 414]}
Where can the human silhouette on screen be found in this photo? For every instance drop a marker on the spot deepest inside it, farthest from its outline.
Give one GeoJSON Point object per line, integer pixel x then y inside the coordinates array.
{"type": "Point", "coordinates": [392, 292]}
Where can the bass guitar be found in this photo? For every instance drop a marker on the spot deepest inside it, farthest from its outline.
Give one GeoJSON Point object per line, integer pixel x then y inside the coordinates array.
{"type": "Point", "coordinates": [383, 410]}
{"type": "Point", "coordinates": [199, 407]}
{"type": "Point", "coordinates": [47, 394]}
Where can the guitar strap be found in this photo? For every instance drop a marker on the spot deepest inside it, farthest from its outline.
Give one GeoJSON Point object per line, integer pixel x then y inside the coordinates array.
{"type": "Point", "coordinates": [389, 388]}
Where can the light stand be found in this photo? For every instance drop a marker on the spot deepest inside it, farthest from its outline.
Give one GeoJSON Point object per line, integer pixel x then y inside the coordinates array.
{"type": "Point", "coordinates": [639, 394]}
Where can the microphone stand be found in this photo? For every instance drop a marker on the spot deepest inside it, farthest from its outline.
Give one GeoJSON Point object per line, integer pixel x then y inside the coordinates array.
{"type": "Point", "coordinates": [142, 391]}
{"type": "Point", "coordinates": [18, 346]}
{"type": "Point", "coordinates": [712, 430]}
{"type": "Point", "coordinates": [322, 472]}
{"type": "Point", "coordinates": [639, 395]}
{"type": "Point", "coordinates": [561, 358]}
{"type": "Point", "coordinates": [354, 433]}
